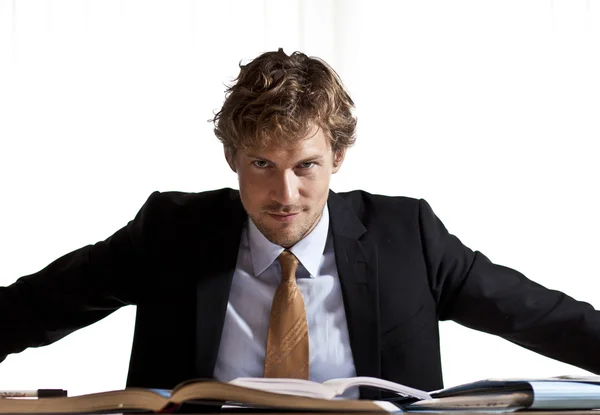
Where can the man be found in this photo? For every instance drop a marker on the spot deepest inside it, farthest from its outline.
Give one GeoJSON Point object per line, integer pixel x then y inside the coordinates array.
{"type": "Point", "coordinates": [217, 276]}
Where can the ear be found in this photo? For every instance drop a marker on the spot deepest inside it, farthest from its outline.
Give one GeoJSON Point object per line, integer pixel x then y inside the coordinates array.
{"type": "Point", "coordinates": [338, 159]}
{"type": "Point", "coordinates": [230, 157]}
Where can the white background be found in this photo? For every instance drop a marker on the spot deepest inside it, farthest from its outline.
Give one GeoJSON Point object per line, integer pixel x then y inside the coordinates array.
{"type": "Point", "coordinates": [490, 110]}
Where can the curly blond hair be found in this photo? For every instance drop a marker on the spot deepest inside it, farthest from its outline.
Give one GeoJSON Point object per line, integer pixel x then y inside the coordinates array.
{"type": "Point", "coordinates": [277, 99]}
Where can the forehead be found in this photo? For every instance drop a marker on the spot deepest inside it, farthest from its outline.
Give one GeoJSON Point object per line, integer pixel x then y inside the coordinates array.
{"type": "Point", "coordinates": [315, 143]}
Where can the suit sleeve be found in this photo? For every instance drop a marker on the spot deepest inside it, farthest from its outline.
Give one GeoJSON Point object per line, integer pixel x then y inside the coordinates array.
{"type": "Point", "coordinates": [76, 290]}
{"type": "Point", "coordinates": [476, 293]}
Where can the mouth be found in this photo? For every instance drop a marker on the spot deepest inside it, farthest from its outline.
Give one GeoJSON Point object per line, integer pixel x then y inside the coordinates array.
{"type": "Point", "coordinates": [283, 217]}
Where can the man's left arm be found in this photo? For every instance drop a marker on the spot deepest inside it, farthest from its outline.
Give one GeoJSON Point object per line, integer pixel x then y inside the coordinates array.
{"type": "Point", "coordinates": [476, 293]}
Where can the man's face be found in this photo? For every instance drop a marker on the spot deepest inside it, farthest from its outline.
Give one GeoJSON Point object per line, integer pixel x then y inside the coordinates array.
{"type": "Point", "coordinates": [284, 190]}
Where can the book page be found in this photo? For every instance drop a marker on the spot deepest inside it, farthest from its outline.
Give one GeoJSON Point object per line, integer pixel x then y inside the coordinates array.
{"type": "Point", "coordinates": [299, 387]}
{"type": "Point", "coordinates": [565, 395]}
{"type": "Point", "coordinates": [341, 385]}
{"type": "Point", "coordinates": [328, 389]}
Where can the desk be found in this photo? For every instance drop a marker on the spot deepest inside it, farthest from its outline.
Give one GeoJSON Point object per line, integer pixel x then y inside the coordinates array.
{"type": "Point", "coordinates": [524, 412]}
{"type": "Point", "coordinates": [259, 412]}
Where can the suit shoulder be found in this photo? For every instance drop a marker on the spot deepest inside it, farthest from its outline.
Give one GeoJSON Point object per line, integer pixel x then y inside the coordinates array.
{"type": "Point", "coordinates": [183, 205]}
{"type": "Point", "coordinates": [361, 198]}
{"type": "Point", "coordinates": [384, 214]}
{"type": "Point", "coordinates": [182, 199]}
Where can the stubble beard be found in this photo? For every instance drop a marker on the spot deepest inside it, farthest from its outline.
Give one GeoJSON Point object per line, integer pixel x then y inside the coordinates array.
{"type": "Point", "coordinates": [287, 235]}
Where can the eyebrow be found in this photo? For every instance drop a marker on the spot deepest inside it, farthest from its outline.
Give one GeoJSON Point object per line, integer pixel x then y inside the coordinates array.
{"type": "Point", "coordinates": [304, 160]}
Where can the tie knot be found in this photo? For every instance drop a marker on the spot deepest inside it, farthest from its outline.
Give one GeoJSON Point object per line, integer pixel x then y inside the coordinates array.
{"type": "Point", "coordinates": [289, 264]}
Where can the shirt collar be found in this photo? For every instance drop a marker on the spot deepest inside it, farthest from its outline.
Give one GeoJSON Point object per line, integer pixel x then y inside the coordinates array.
{"type": "Point", "coordinates": [309, 250]}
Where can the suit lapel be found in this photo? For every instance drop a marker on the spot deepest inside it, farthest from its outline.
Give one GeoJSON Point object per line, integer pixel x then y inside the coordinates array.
{"type": "Point", "coordinates": [212, 291]}
{"type": "Point", "coordinates": [356, 261]}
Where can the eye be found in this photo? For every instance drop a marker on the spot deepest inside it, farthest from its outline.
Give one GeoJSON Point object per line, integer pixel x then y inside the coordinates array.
{"type": "Point", "coordinates": [307, 164]}
{"type": "Point", "coordinates": [261, 164]}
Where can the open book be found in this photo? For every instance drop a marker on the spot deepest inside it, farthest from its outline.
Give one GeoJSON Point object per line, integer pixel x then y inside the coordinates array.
{"type": "Point", "coordinates": [249, 392]}
{"type": "Point", "coordinates": [558, 393]}
{"type": "Point", "coordinates": [330, 389]}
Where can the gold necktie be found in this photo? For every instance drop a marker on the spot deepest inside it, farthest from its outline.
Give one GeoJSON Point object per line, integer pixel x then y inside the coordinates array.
{"type": "Point", "coordinates": [287, 341]}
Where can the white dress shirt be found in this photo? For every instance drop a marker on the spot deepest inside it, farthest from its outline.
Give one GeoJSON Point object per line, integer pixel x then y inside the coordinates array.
{"type": "Point", "coordinates": [256, 278]}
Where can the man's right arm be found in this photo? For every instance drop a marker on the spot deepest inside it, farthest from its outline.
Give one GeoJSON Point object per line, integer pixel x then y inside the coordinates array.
{"type": "Point", "coordinates": [76, 290]}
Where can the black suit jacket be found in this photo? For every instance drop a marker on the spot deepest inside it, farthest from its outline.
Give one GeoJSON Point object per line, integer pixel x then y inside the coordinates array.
{"type": "Point", "coordinates": [400, 272]}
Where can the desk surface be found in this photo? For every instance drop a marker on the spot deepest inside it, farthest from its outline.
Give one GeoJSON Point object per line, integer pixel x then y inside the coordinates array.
{"type": "Point", "coordinates": [523, 412]}
{"type": "Point", "coordinates": [578, 412]}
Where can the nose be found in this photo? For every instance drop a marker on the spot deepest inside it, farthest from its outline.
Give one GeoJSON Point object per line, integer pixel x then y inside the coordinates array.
{"type": "Point", "coordinates": [285, 189]}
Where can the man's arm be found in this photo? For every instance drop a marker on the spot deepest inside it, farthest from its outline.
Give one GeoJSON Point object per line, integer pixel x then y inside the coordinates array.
{"type": "Point", "coordinates": [474, 292]}
{"type": "Point", "coordinates": [74, 291]}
